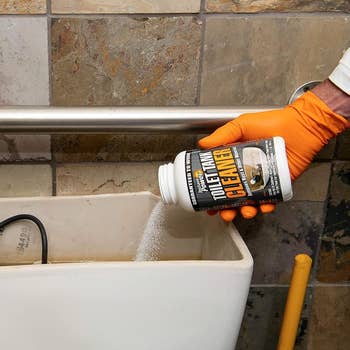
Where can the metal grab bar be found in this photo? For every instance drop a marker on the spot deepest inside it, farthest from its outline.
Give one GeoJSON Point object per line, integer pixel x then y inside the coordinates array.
{"type": "Point", "coordinates": [117, 119]}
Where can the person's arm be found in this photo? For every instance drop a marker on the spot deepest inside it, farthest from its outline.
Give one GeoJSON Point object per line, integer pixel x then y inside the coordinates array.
{"type": "Point", "coordinates": [306, 126]}
{"type": "Point", "coordinates": [335, 91]}
{"type": "Point", "coordinates": [336, 99]}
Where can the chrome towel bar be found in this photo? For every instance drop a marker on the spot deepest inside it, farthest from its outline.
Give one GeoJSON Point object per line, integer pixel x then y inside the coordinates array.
{"type": "Point", "coordinates": [52, 120]}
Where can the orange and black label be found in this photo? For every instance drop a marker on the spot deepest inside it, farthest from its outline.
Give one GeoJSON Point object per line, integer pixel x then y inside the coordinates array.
{"type": "Point", "coordinates": [235, 175]}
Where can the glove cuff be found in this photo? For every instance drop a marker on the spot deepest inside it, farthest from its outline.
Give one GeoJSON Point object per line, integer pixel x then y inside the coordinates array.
{"type": "Point", "coordinates": [327, 119]}
{"type": "Point", "coordinates": [318, 117]}
{"type": "Point", "coordinates": [341, 74]}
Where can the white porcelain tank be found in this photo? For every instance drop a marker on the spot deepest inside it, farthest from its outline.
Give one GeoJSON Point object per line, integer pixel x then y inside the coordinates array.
{"type": "Point", "coordinates": [192, 298]}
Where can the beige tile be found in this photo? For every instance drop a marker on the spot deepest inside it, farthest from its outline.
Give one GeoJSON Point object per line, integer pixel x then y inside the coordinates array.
{"type": "Point", "coordinates": [312, 185]}
{"type": "Point", "coordinates": [340, 183]}
{"type": "Point", "coordinates": [330, 318]}
{"type": "Point", "coordinates": [277, 6]}
{"type": "Point", "coordinates": [125, 61]}
{"type": "Point", "coordinates": [76, 179]}
{"type": "Point", "coordinates": [125, 6]}
{"type": "Point", "coordinates": [22, 6]}
{"type": "Point", "coordinates": [260, 60]}
{"type": "Point", "coordinates": [24, 72]}
{"type": "Point", "coordinates": [92, 148]}
{"type": "Point", "coordinates": [25, 180]}
{"type": "Point", "coordinates": [24, 147]}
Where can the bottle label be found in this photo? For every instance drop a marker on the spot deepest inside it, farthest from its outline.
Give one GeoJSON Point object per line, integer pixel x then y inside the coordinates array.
{"type": "Point", "coordinates": [233, 175]}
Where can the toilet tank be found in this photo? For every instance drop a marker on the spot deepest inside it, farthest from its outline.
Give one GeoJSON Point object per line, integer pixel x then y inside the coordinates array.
{"type": "Point", "coordinates": [93, 295]}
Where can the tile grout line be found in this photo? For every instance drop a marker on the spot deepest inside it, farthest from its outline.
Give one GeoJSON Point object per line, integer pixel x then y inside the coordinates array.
{"type": "Point", "coordinates": [49, 50]}
{"type": "Point", "coordinates": [49, 7]}
{"type": "Point", "coordinates": [202, 18]}
{"type": "Point", "coordinates": [268, 285]}
{"type": "Point", "coordinates": [26, 162]}
{"type": "Point", "coordinates": [53, 169]}
{"type": "Point", "coordinates": [86, 162]}
{"type": "Point", "coordinates": [312, 280]}
{"type": "Point", "coordinates": [300, 14]}
{"type": "Point", "coordinates": [320, 236]}
{"type": "Point", "coordinates": [25, 15]}
{"type": "Point", "coordinates": [309, 285]}
{"type": "Point", "coordinates": [321, 161]}
{"type": "Point", "coordinates": [207, 14]}
{"type": "Point", "coordinates": [308, 301]}
{"type": "Point", "coordinates": [279, 14]}
{"type": "Point", "coordinates": [109, 163]}
{"type": "Point", "coordinates": [334, 285]}
{"type": "Point", "coordinates": [53, 159]}
{"type": "Point", "coordinates": [123, 15]}
{"type": "Point", "coordinates": [202, 6]}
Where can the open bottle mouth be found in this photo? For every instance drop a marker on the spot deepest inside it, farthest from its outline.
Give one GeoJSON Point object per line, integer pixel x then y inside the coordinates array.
{"type": "Point", "coordinates": [167, 183]}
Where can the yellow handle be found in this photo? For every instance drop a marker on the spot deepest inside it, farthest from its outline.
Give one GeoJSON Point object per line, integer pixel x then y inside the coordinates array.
{"type": "Point", "coordinates": [295, 300]}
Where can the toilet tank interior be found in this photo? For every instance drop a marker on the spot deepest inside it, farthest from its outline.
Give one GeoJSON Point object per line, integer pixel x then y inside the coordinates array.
{"type": "Point", "coordinates": [109, 228]}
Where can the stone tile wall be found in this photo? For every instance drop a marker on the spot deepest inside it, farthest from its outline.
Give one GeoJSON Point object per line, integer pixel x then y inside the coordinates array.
{"type": "Point", "coordinates": [253, 6]}
{"type": "Point", "coordinates": [188, 52]}
{"type": "Point", "coordinates": [23, 7]}
{"type": "Point", "coordinates": [122, 6]}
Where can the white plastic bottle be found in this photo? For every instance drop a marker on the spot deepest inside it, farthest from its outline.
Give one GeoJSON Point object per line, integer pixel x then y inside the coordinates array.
{"type": "Point", "coordinates": [249, 173]}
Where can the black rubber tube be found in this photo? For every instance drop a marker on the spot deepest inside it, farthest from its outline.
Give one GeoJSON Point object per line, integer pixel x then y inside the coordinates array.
{"type": "Point", "coordinates": [44, 245]}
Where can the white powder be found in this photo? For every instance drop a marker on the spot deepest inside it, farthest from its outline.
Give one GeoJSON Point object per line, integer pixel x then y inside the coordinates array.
{"type": "Point", "coordinates": [153, 237]}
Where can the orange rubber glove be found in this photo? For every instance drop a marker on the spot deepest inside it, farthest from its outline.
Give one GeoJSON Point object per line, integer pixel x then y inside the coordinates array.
{"type": "Point", "coordinates": [306, 126]}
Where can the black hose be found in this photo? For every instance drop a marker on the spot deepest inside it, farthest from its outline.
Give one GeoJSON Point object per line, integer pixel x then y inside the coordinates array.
{"type": "Point", "coordinates": [40, 225]}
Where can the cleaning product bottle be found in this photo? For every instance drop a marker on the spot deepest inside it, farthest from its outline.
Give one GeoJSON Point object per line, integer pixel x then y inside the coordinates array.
{"type": "Point", "coordinates": [248, 173]}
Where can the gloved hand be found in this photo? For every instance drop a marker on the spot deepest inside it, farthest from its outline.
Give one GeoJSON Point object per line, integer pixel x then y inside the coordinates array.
{"type": "Point", "coordinates": [306, 126]}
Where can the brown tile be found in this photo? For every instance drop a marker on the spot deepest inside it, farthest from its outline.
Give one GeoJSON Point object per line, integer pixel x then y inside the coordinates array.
{"type": "Point", "coordinates": [340, 183]}
{"type": "Point", "coordinates": [244, 56]}
{"type": "Point", "coordinates": [330, 318]}
{"type": "Point", "coordinates": [276, 6]}
{"type": "Point", "coordinates": [25, 180]}
{"type": "Point", "coordinates": [334, 259]}
{"type": "Point", "coordinates": [263, 317]}
{"type": "Point", "coordinates": [122, 6]}
{"type": "Point", "coordinates": [24, 71]}
{"type": "Point", "coordinates": [78, 179]}
{"type": "Point", "coordinates": [327, 152]}
{"type": "Point", "coordinates": [343, 146]}
{"type": "Point", "coordinates": [274, 239]}
{"type": "Point", "coordinates": [125, 61]}
{"type": "Point", "coordinates": [22, 6]}
{"type": "Point", "coordinates": [312, 185]}
{"type": "Point", "coordinates": [24, 147]}
{"type": "Point", "coordinates": [91, 148]}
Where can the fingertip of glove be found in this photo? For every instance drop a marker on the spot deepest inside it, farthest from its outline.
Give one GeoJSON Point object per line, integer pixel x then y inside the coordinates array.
{"type": "Point", "coordinates": [205, 142]}
{"type": "Point", "coordinates": [248, 212]}
{"type": "Point", "coordinates": [228, 215]}
{"type": "Point", "coordinates": [267, 208]}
